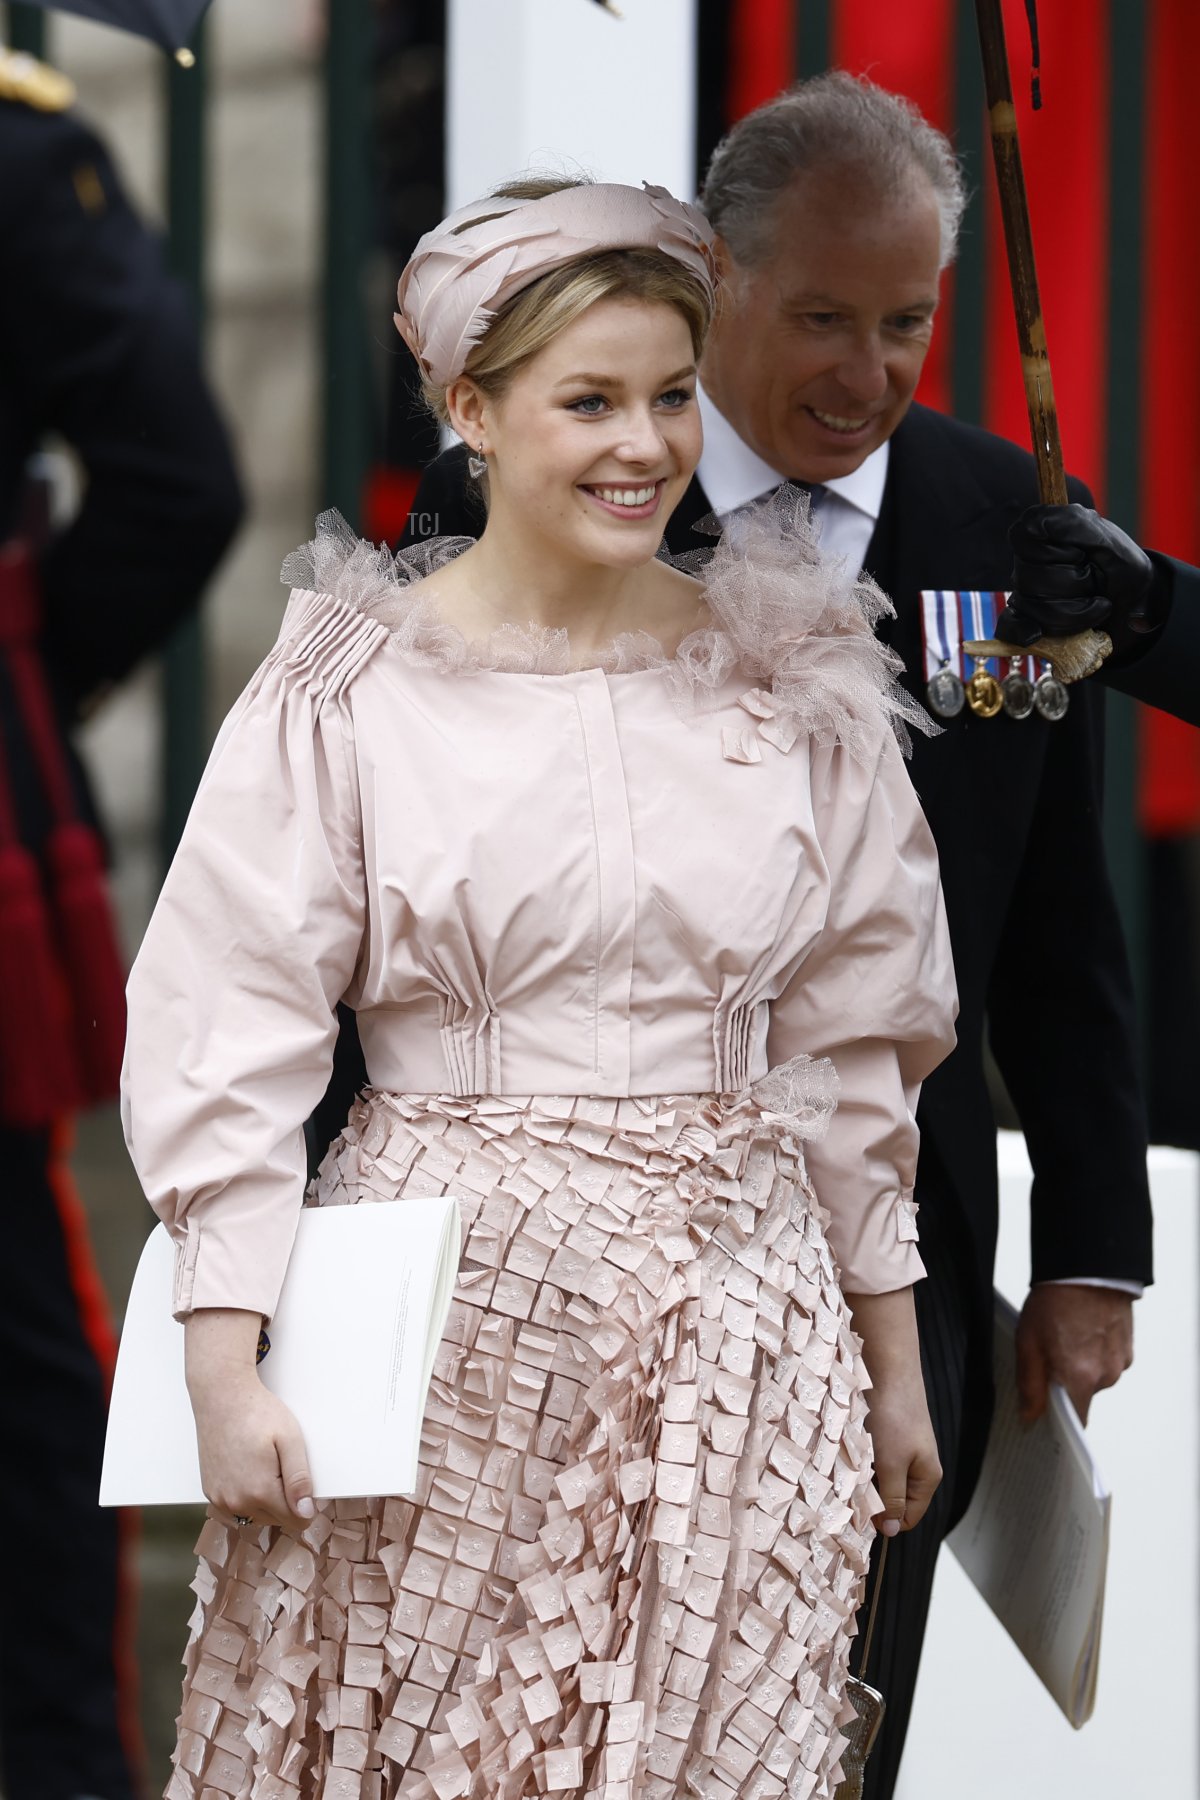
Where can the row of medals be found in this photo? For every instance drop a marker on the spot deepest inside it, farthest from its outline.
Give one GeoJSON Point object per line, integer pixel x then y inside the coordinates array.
{"type": "Point", "coordinates": [1016, 695]}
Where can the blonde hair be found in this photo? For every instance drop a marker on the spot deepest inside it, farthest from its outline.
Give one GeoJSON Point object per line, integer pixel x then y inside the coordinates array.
{"type": "Point", "coordinates": [535, 316]}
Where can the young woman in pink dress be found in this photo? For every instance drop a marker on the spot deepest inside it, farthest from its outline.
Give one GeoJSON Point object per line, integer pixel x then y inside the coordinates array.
{"type": "Point", "coordinates": [624, 877]}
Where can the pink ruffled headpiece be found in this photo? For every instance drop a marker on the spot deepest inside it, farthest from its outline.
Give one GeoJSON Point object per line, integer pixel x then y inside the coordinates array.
{"type": "Point", "coordinates": [468, 266]}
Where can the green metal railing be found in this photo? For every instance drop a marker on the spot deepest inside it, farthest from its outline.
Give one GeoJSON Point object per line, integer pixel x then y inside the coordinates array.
{"type": "Point", "coordinates": [813, 34]}
{"type": "Point", "coordinates": [1123, 497]}
{"type": "Point", "coordinates": [27, 29]}
{"type": "Point", "coordinates": [346, 427]}
{"type": "Point", "coordinates": [185, 729]}
{"type": "Point", "coordinates": [966, 350]}
{"type": "Point", "coordinates": [345, 392]}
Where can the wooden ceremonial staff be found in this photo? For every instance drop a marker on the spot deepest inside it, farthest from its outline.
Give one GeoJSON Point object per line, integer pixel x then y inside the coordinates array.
{"type": "Point", "coordinates": [1082, 654]}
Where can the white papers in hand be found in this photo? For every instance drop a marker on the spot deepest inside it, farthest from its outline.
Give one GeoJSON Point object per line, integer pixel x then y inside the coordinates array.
{"type": "Point", "coordinates": [352, 1346]}
{"type": "Point", "coordinates": [1035, 1539]}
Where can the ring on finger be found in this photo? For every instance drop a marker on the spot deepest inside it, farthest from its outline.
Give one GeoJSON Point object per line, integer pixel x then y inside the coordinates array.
{"type": "Point", "coordinates": [241, 1519]}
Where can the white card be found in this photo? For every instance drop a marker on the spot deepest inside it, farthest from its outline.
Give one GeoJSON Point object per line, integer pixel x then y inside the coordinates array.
{"type": "Point", "coordinates": [353, 1341]}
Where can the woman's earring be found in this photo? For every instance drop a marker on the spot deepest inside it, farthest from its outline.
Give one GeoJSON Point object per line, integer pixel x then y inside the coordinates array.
{"type": "Point", "coordinates": [477, 465]}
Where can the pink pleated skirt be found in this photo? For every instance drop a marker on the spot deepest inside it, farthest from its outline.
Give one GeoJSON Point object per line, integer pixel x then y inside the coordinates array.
{"type": "Point", "coordinates": [642, 1530]}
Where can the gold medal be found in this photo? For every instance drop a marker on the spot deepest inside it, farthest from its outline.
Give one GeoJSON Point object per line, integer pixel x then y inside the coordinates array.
{"type": "Point", "coordinates": [985, 696]}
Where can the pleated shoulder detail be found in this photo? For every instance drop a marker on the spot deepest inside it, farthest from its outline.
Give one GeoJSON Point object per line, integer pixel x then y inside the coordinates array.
{"type": "Point", "coordinates": [324, 643]}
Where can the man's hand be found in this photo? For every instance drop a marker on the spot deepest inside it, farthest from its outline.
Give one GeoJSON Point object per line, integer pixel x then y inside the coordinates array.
{"type": "Point", "coordinates": [1081, 1337]}
{"type": "Point", "coordinates": [1073, 569]}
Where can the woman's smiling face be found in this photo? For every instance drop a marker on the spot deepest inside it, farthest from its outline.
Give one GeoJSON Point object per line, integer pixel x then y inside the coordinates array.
{"type": "Point", "coordinates": [594, 441]}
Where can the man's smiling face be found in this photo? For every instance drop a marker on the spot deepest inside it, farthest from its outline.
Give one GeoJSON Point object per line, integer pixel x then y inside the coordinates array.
{"type": "Point", "coordinates": [816, 353]}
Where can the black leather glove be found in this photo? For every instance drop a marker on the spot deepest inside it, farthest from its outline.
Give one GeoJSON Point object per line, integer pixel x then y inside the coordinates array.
{"type": "Point", "coordinates": [1073, 569]}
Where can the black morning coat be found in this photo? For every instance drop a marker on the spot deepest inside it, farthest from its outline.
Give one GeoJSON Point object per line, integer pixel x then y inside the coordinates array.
{"type": "Point", "coordinates": [97, 350]}
{"type": "Point", "coordinates": [1167, 673]}
{"type": "Point", "coordinates": [1015, 808]}
{"type": "Point", "coordinates": [97, 347]}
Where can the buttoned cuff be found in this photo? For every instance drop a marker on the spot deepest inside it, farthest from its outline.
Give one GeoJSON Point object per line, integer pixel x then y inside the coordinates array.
{"type": "Point", "coordinates": [875, 1243]}
{"type": "Point", "coordinates": [213, 1270]}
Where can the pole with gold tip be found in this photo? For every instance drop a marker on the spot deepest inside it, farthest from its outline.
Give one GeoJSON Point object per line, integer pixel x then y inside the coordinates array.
{"type": "Point", "coordinates": [1080, 655]}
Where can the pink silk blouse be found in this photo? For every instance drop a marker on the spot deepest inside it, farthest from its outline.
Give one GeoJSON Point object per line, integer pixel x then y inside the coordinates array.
{"type": "Point", "coordinates": [662, 875]}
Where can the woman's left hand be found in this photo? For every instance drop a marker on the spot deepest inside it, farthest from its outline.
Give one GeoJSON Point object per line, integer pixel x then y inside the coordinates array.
{"type": "Point", "coordinates": [908, 1468]}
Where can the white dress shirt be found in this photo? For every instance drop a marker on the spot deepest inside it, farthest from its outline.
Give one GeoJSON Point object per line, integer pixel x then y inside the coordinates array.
{"type": "Point", "coordinates": [845, 512]}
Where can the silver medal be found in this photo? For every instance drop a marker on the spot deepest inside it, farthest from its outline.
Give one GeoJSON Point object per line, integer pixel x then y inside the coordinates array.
{"type": "Point", "coordinates": [1019, 695]}
{"type": "Point", "coordinates": [945, 693]}
{"type": "Point", "coordinates": [1051, 697]}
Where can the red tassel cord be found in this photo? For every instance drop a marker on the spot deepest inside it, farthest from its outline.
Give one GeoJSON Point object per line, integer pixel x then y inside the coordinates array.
{"type": "Point", "coordinates": [77, 933]}
{"type": "Point", "coordinates": [88, 947]}
{"type": "Point", "coordinates": [38, 1076]}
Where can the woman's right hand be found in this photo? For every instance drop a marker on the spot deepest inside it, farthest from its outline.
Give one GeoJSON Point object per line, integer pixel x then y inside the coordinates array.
{"type": "Point", "coordinates": [253, 1462]}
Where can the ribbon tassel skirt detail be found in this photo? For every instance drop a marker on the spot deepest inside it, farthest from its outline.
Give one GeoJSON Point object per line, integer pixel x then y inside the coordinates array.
{"type": "Point", "coordinates": [643, 1522]}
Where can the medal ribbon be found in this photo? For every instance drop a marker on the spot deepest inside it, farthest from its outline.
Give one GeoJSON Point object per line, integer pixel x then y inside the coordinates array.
{"type": "Point", "coordinates": [982, 608]}
{"type": "Point", "coordinates": [940, 626]}
{"type": "Point", "coordinates": [951, 617]}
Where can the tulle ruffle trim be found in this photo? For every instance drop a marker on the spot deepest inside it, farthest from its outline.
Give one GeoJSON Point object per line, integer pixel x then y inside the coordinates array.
{"type": "Point", "coordinates": [800, 625]}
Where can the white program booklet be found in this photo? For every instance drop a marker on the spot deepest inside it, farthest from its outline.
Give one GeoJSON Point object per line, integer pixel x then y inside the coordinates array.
{"type": "Point", "coordinates": [352, 1347]}
{"type": "Point", "coordinates": [1035, 1540]}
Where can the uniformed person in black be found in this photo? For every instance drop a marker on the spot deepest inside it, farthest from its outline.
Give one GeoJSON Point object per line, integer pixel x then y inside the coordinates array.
{"type": "Point", "coordinates": [97, 349]}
